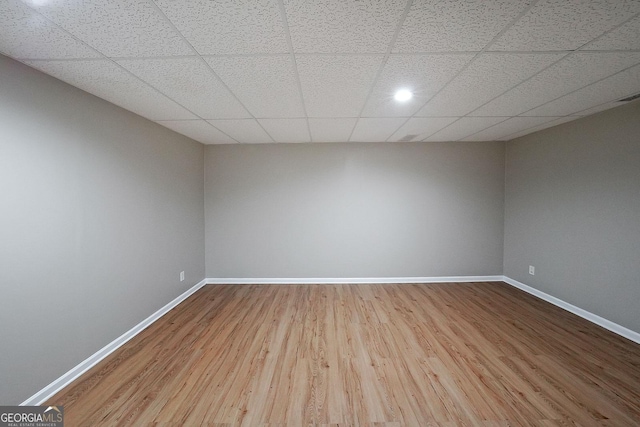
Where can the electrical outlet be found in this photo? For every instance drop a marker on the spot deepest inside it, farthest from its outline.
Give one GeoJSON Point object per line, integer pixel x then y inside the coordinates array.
{"type": "Point", "coordinates": [532, 270]}
{"type": "Point", "coordinates": [182, 276]}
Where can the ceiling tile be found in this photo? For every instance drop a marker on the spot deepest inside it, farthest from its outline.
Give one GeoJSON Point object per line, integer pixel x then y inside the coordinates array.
{"type": "Point", "coordinates": [313, 70]}
{"type": "Point", "coordinates": [28, 35]}
{"type": "Point", "coordinates": [190, 82]}
{"type": "Point", "coordinates": [537, 128]}
{"type": "Point", "coordinates": [437, 26]}
{"type": "Point", "coordinates": [424, 75]}
{"type": "Point", "coordinates": [488, 76]}
{"type": "Point", "coordinates": [336, 85]}
{"type": "Point", "coordinates": [117, 27]}
{"type": "Point", "coordinates": [331, 130]}
{"type": "Point", "coordinates": [613, 88]}
{"type": "Point", "coordinates": [596, 109]}
{"type": "Point", "coordinates": [565, 25]}
{"type": "Point", "coordinates": [464, 127]}
{"type": "Point", "coordinates": [106, 80]}
{"type": "Point", "coordinates": [247, 131]}
{"type": "Point", "coordinates": [287, 130]}
{"type": "Point", "coordinates": [571, 73]}
{"type": "Point", "coordinates": [199, 130]}
{"type": "Point", "coordinates": [375, 130]}
{"type": "Point", "coordinates": [627, 36]}
{"type": "Point", "coordinates": [417, 129]}
{"type": "Point", "coordinates": [266, 85]}
{"type": "Point", "coordinates": [508, 127]}
{"type": "Point", "coordinates": [338, 26]}
{"type": "Point", "coordinates": [229, 26]}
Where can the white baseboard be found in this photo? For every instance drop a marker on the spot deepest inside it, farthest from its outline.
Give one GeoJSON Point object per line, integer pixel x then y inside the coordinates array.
{"type": "Point", "coordinates": [594, 318]}
{"type": "Point", "coordinates": [349, 280]}
{"type": "Point", "coordinates": [66, 379]}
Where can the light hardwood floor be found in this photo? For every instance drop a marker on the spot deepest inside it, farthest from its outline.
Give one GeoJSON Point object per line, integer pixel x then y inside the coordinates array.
{"type": "Point", "coordinates": [448, 354]}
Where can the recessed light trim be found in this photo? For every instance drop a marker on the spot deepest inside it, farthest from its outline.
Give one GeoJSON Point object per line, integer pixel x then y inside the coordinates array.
{"type": "Point", "coordinates": [38, 3]}
{"type": "Point", "coordinates": [403, 95]}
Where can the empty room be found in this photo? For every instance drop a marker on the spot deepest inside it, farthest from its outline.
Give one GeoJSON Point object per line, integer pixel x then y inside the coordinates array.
{"type": "Point", "coordinates": [320, 212]}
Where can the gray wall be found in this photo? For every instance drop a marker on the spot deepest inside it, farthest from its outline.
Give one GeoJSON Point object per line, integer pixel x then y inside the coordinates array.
{"type": "Point", "coordinates": [354, 210]}
{"type": "Point", "coordinates": [99, 212]}
{"type": "Point", "coordinates": [573, 212]}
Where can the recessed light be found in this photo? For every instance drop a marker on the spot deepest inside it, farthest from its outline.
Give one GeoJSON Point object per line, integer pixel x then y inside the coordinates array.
{"type": "Point", "coordinates": [403, 95]}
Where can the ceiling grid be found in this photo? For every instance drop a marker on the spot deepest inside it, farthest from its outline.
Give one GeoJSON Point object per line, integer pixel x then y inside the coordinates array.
{"type": "Point", "coordinates": [283, 71]}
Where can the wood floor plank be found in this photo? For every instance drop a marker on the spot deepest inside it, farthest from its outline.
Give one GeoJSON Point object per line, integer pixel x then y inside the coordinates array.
{"type": "Point", "coordinates": [472, 354]}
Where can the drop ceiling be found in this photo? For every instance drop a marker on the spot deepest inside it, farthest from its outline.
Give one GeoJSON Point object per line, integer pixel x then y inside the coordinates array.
{"type": "Point", "coordinates": [295, 71]}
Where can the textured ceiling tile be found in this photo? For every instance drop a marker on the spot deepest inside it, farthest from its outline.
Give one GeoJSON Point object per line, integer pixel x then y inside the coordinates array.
{"type": "Point", "coordinates": [417, 129]}
{"type": "Point", "coordinates": [542, 126]}
{"type": "Point", "coordinates": [613, 88]}
{"type": "Point", "coordinates": [287, 130]}
{"type": "Point", "coordinates": [106, 80]}
{"type": "Point", "coordinates": [487, 77]}
{"type": "Point", "coordinates": [424, 75]}
{"type": "Point", "coordinates": [464, 127]}
{"type": "Point", "coordinates": [453, 25]}
{"type": "Point", "coordinates": [508, 127]}
{"type": "Point", "coordinates": [574, 72]}
{"type": "Point", "coordinates": [245, 44]}
{"type": "Point", "coordinates": [198, 130]}
{"type": "Point", "coordinates": [266, 85]}
{"type": "Point", "coordinates": [375, 130]}
{"type": "Point", "coordinates": [626, 36]}
{"type": "Point", "coordinates": [190, 82]}
{"type": "Point", "coordinates": [331, 130]}
{"type": "Point", "coordinates": [338, 26]}
{"type": "Point", "coordinates": [334, 85]}
{"type": "Point", "coordinates": [117, 27]}
{"type": "Point", "coordinates": [247, 131]}
{"type": "Point", "coordinates": [596, 109]}
{"type": "Point", "coordinates": [565, 25]}
{"type": "Point", "coordinates": [28, 35]}
{"type": "Point", "coordinates": [229, 26]}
